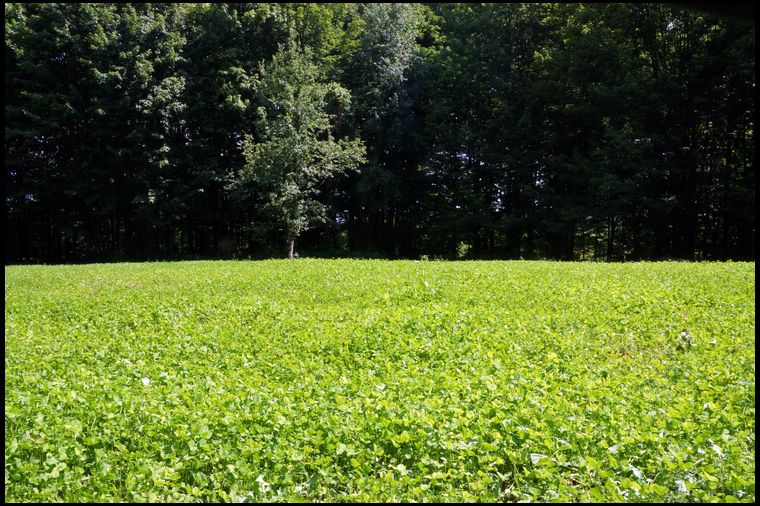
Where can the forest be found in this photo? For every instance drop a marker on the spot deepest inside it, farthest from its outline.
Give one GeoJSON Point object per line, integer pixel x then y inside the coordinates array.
{"type": "Point", "coordinates": [610, 132]}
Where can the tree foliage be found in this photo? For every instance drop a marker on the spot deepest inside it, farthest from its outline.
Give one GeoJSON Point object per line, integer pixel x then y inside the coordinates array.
{"type": "Point", "coordinates": [566, 131]}
{"type": "Point", "coordinates": [297, 152]}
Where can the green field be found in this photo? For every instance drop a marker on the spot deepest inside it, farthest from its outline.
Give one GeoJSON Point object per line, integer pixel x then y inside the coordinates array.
{"type": "Point", "coordinates": [349, 380]}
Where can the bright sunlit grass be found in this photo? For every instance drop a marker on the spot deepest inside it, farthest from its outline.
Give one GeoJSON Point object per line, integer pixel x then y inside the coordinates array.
{"type": "Point", "coordinates": [380, 381]}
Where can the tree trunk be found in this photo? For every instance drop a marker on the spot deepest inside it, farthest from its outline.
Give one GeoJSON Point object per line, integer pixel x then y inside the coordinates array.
{"type": "Point", "coordinates": [513, 236]}
{"type": "Point", "coordinates": [610, 237]}
{"type": "Point", "coordinates": [291, 249]}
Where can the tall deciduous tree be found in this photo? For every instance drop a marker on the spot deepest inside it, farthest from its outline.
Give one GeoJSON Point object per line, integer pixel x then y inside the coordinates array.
{"type": "Point", "coordinates": [297, 151]}
{"type": "Point", "coordinates": [568, 131]}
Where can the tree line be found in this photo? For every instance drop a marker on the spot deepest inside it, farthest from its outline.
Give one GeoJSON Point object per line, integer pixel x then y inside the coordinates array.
{"type": "Point", "coordinates": [565, 131]}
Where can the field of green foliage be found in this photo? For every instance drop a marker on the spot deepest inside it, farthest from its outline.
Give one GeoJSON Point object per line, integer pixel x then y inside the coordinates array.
{"type": "Point", "coordinates": [351, 380]}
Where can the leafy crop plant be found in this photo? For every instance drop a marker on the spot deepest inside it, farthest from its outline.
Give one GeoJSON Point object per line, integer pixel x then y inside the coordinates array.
{"type": "Point", "coordinates": [357, 380]}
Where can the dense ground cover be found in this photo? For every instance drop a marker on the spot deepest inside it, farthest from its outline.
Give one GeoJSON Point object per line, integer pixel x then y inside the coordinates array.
{"type": "Point", "coordinates": [377, 380]}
